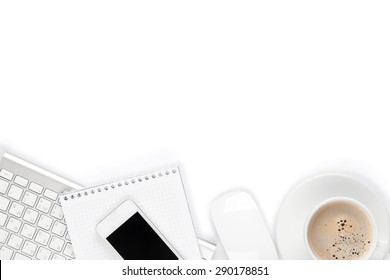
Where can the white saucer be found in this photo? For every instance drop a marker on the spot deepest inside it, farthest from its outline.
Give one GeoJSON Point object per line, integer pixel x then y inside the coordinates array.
{"type": "Point", "coordinates": [302, 201]}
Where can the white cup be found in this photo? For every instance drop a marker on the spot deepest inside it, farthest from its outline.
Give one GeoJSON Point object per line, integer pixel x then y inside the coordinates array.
{"type": "Point", "coordinates": [380, 250]}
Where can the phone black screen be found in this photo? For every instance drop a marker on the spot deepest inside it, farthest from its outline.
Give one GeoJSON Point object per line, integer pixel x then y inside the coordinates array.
{"type": "Point", "coordinates": [136, 240]}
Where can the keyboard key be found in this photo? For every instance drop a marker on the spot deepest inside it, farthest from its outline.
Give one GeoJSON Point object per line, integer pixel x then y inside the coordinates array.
{"type": "Point", "coordinates": [3, 218]}
{"type": "Point", "coordinates": [69, 250]}
{"type": "Point", "coordinates": [14, 224]}
{"type": "Point", "coordinates": [50, 194]}
{"type": "Point", "coordinates": [57, 257]}
{"type": "Point", "coordinates": [5, 253]}
{"type": "Point", "coordinates": [6, 174]}
{"type": "Point", "coordinates": [28, 231]}
{"type": "Point", "coordinates": [43, 254]}
{"type": "Point", "coordinates": [16, 209]}
{"type": "Point", "coordinates": [43, 205]}
{"type": "Point", "coordinates": [21, 257]}
{"type": "Point", "coordinates": [56, 244]}
{"type": "Point", "coordinates": [29, 248]}
{"type": "Point", "coordinates": [30, 216]}
{"type": "Point", "coordinates": [15, 241]}
{"type": "Point", "coordinates": [29, 199]}
{"type": "Point", "coordinates": [21, 181]}
{"type": "Point", "coordinates": [56, 212]}
{"type": "Point", "coordinates": [45, 222]}
{"type": "Point", "coordinates": [4, 202]}
{"type": "Point", "coordinates": [67, 236]}
{"type": "Point", "coordinates": [35, 187]}
{"type": "Point", "coordinates": [3, 186]}
{"type": "Point", "coordinates": [59, 228]}
{"type": "Point", "coordinates": [3, 235]}
{"type": "Point", "coordinates": [15, 192]}
{"type": "Point", "coordinates": [42, 237]}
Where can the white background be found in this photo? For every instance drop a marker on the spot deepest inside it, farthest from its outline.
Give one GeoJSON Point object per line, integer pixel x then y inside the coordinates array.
{"type": "Point", "coordinates": [244, 94]}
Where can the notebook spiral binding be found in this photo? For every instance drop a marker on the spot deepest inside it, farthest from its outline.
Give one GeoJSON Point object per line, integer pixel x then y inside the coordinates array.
{"type": "Point", "coordinates": [69, 195]}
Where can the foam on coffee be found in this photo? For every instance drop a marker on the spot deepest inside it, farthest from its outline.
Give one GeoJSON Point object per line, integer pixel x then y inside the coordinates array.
{"type": "Point", "coordinates": [341, 230]}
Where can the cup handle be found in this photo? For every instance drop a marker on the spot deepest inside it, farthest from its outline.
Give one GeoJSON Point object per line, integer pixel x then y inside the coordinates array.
{"type": "Point", "coordinates": [383, 250]}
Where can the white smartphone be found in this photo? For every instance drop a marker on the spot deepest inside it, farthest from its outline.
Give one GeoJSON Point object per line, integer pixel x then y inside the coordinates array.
{"type": "Point", "coordinates": [134, 236]}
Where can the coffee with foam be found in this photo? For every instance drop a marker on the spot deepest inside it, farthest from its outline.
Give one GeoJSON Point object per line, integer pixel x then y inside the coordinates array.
{"type": "Point", "coordinates": [341, 230]}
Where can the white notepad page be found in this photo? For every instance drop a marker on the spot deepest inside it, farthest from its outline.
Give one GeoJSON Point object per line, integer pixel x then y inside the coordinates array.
{"type": "Point", "coordinates": [160, 195]}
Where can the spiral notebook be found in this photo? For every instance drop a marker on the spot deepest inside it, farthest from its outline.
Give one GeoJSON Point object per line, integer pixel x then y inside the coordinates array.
{"type": "Point", "coordinates": [160, 195]}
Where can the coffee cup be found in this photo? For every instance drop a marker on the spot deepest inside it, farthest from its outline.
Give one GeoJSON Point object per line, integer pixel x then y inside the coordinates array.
{"type": "Point", "coordinates": [342, 228]}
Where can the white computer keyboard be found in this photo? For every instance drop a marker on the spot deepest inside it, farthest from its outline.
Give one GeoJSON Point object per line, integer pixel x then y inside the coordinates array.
{"type": "Point", "coordinates": [32, 224]}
